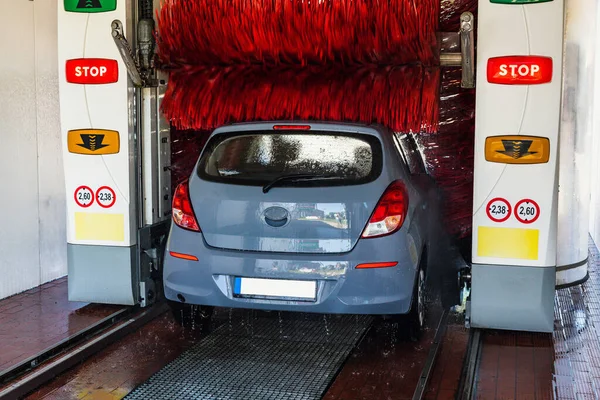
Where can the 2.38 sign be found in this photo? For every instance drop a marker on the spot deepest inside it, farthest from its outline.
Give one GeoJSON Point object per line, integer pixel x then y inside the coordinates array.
{"type": "Point", "coordinates": [498, 209]}
{"type": "Point", "coordinates": [105, 197]}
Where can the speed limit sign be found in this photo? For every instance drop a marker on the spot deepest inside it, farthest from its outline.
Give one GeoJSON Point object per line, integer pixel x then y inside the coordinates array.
{"type": "Point", "coordinates": [527, 211]}
{"type": "Point", "coordinates": [84, 196]}
{"type": "Point", "coordinates": [498, 209]}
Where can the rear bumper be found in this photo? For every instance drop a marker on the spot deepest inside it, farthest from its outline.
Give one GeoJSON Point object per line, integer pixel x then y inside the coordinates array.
{"type": "Point", "coordinates": [341, 289]}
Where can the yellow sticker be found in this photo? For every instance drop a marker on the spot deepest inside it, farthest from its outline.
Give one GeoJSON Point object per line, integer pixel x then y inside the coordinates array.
{"type": "Point", "coordinates": [100, 227]}
{"type": "Point", "coordinates": [515, 243]}
{"type": "Point", "coordinates": [103, 394]}
{"type": "Point", "coordinates": [93, 141]}
{"type": "Point", "coordinates": [517, 149]}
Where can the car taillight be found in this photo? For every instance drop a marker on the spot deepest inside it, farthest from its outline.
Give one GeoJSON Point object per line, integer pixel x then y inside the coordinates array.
{"type": "Point", "coordinates": [389, 213]}
{"type": "Point", "coordinates": [183, 213]}
{"type": "Point", "coordinates": [291, 127]}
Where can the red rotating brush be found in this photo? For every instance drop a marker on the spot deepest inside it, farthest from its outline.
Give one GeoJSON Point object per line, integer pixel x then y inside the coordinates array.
{"type": "Point", "coordinates": [338, 60]}
{"type": "Point", "coordinates": [402, 98]}
{"type": "Point", "coordinates": [297, 32]}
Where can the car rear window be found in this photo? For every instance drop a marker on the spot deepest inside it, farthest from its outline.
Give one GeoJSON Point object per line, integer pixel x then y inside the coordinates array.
{"type": "Point", "coordinates": [256, 158]}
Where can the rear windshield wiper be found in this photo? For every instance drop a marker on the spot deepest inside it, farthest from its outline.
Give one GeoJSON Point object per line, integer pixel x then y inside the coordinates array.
{"type": "Point", "coordinates": [297, 178]}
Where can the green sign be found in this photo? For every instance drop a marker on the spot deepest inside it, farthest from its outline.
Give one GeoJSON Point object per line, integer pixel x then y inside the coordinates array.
{"type": "Point", "coordinates": [90, 6]}
{"type": "Point", "coordinates": [518, 1]}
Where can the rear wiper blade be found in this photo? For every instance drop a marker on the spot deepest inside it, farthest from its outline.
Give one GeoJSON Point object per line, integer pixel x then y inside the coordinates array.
{"type": "Point", "coordinates": [296, 178]}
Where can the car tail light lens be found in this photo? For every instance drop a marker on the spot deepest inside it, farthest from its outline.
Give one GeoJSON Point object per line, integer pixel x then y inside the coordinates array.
{"type": "Point", "coordinates": [291, 127]}
{"type": "Point", "coordinates": [183, 213]}
{"type": "Point", "coordinates": [183, 256]}
{"type": "Point", "coordinates": [377, 265]}
{"type": "Point", "coordinates": [389, 213]}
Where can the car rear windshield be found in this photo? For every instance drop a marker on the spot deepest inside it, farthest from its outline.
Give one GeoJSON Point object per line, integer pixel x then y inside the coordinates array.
{"type": "Point", "coordinates": [256, 158]}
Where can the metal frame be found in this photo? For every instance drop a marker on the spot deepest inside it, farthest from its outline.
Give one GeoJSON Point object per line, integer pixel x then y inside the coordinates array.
{"type": "Point", "coordinates": [464, 42]}
{"type": "Point", "coordinates": [152, 142]}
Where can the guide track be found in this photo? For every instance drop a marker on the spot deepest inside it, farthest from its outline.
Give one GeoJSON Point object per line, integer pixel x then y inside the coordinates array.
{"type": "Point", "coordinates": [28, 375]}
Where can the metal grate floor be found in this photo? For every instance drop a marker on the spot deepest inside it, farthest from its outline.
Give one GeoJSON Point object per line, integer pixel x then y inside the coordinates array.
{"type": "Point", "coordinates": [291, 356]}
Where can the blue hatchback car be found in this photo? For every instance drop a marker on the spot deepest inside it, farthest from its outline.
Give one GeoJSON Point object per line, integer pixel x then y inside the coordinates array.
{"type": "Point", "coordinates": [313, 217]}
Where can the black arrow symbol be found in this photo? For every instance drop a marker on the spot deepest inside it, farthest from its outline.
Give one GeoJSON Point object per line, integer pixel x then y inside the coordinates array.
{"type": "Point", "coordinates": [517, 148]}
{"type": "Point", "coordinates": [89, 4]}
{"type": "Point", "coordinates": [92, 142]}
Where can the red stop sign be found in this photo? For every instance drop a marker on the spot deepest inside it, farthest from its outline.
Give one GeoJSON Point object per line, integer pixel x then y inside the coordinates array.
{"type": "Point", "coordinates": [92, 71]}
{"type": "Point", "coordinates": [519, 70]}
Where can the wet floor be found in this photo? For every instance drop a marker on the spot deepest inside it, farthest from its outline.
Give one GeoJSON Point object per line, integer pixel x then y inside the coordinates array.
{"type": "Point", "coordinates": [384, 364]}
{"type": "Point", "coordinates": [121, 367]}
{"type": "Point", "coordinates": [515, 365]}
{"type": "Point", "coordinates": [445, 378]}
{"type": "Point", "coordinates": [39, 318]}
{"type": "Point", "coordinates": [577, 336]}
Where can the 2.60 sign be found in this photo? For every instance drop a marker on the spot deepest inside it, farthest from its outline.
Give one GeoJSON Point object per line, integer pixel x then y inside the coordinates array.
{"type": "Point", "coordinates": [527, 211]}
{"type": "Point", "coordinates": [84, 196]}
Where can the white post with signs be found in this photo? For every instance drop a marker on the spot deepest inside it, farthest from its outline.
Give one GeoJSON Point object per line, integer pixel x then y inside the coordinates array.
{"type": "Point", "coordinates": [96, 104]}
{"type": "Point", "coordinates": [518, 107]}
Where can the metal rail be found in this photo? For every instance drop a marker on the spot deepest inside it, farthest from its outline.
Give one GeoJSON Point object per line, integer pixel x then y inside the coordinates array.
{"type": "Point", "coordinates": [468, 385]}
{"type": "Point", "coordinates": [32, 362]}
{"type": "Point", "coordinates": [431, 358]}
{"type": "Point", "coordinates": [76, 353]}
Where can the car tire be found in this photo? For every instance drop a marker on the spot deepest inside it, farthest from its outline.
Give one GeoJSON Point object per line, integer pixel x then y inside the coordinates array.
{"type": "Point", "coordinates": [190, 315]}
{"type": "Point", "coordinates": [450, 292]}
{"type": "Point", "coordinates": [444, 263]}
{"type": "Point", "coordinates": [418, 312]}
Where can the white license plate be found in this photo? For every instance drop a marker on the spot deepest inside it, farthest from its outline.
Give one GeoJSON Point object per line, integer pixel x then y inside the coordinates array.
{"type": "Point", "coordinates": [282, 288]}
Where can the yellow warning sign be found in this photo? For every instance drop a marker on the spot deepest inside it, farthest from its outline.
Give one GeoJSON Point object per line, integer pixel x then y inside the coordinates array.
{"type": "Point", "coordinates": [515, 243]}
{"type": "Point", "coordinates": [100, 227]}
{"type": "Point", "coordinates": [517, 149]}
{"type": "Point", "coordinates": [93, 141]}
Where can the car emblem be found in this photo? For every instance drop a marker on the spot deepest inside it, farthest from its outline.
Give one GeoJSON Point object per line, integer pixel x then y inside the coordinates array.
{"type": "Point", "coordinates": [276, 216]}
